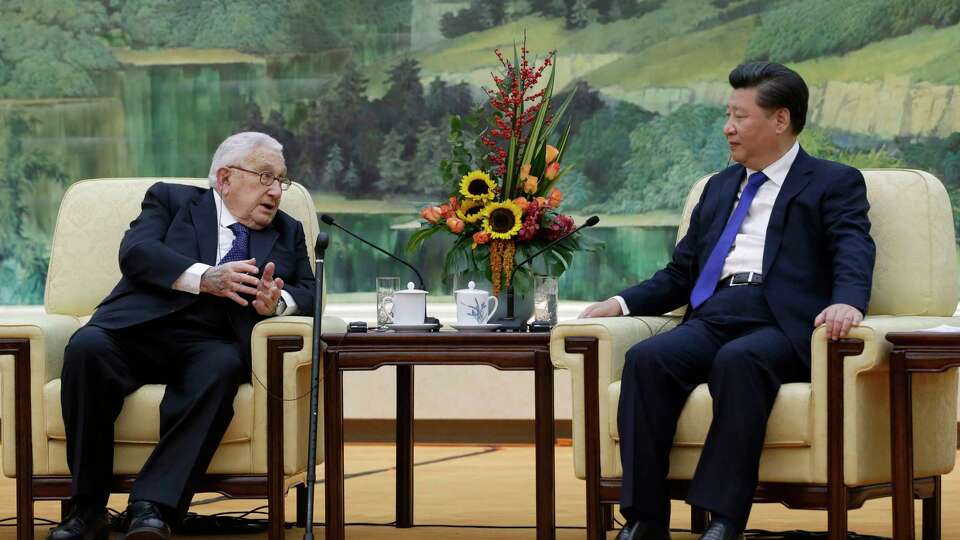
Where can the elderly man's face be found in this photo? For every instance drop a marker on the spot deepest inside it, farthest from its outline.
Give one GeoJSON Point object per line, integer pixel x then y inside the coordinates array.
{"type": "Point", "coordinates": [251, 202]}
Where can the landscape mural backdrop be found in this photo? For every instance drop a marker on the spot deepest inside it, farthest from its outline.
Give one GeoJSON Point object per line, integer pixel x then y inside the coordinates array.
{"type": "Point", "coordinates": [361, 93]}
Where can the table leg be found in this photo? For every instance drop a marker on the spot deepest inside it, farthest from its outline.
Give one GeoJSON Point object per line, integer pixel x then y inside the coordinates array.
{"type": "Point", "coordinates": [404, 446]}
{"type": "Point", "coordinates": [545, 440]}
{"type": "Point", "coordinates": [333, 447]}
{"type": "Point", "coordinates": [901, 442]}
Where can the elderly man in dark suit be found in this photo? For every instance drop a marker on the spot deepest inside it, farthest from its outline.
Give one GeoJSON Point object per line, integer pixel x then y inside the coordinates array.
{"type": "Point", "coordinates": [200, 268]}
{"type": "Point", "coordinates": [778, 244]}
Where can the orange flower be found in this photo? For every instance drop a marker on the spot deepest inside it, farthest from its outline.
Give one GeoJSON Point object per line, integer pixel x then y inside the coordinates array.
{"type": "Point", "coordinates": [530, 185]}
{"type": "Point", "coordinates": [522, 202]}
{"type": "Point", "coordinates": [525, 171]}
{"type": "Point", "coordinates": [455, 225]}
{"type": "Point", "coordinates": [542, 201]}
{"type": "Point", "coordinates": [552, 154]}
{"type": "Point", "coordinates": [480, 238]}
{"type": "Point", "coordinates": [431, 214]}
{"type": "Point", "coordinates": [556, 197]}
{"type": "Point", "coordinates": [447, 212]}
{"type": "Point", "coordinates": [552, 171]}
{"type": "Point", "coordinates": [454, 203]}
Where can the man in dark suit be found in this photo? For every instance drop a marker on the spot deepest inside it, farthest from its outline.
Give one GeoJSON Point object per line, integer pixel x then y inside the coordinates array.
{"type": "Point", "coordinates": [193, 287]}
{"type": "Point", "coordinates": [778, 244]}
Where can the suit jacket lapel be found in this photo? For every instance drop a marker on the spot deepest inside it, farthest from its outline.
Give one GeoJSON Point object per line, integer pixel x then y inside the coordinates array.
{"type": "Point", "coordinates": [261, 243]}
{"type": "Point", "coordinates": [203, 213]}
{"type": "Point", "coordinates": [799, 176]}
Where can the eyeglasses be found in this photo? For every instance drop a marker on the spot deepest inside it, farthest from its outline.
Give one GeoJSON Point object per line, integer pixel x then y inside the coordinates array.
{"type": "Point", "coordinates": [266, 178]}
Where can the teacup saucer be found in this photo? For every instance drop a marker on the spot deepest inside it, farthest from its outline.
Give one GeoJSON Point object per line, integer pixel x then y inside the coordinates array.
{"type": "Point", "coordinates": [475, 327]}
{"type": "Point", "coordinates": [411, 327]}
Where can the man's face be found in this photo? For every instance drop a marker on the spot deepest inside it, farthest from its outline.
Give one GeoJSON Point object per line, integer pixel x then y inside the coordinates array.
{"type": "Point", "coordinates": [251, 202]}
{"type": "Point", "coordinates": [753, 132]}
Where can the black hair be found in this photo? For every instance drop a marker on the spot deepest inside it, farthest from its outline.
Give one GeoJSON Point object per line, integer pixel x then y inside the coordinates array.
{"type": "Point", "coordinates": [777, 87]}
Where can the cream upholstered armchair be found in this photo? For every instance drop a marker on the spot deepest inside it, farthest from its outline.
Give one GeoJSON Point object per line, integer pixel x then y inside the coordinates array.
{"type": "Point", "coordinates": [828, 441]}
{"type": "Point", "coordinates": [263, 452]}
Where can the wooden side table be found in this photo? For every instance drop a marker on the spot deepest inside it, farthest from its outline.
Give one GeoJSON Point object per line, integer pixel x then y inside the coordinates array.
{"type": "Point", "coordinates": [913, 352]}
{"type": "Point", "coordinates": [372, 350]}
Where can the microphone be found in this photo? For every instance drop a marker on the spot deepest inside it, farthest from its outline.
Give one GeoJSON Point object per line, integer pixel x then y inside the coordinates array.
{"type": "Point", "coordinates": [328, 219]}
{"type": "Point", "coordinates": [323, 239]}
{"type": "Point", "coordinates": [509, 322]}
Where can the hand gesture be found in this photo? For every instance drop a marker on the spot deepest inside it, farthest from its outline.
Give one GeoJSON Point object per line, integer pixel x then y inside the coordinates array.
{"type": "Point", "coordinates": [230, 279]}
{"type": "Point", "coordinates": [268, 292]}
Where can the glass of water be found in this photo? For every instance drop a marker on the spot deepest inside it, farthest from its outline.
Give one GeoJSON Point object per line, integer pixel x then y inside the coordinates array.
{"type": "Point", "coordinates": [545, 299]}
{"type": "Point", "coordinates": [386, 286]}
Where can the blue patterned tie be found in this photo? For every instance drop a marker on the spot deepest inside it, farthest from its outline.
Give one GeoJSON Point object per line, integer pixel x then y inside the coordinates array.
{"type": "Point", "coordinates": [241, 244]}
{"type": "Point", "coordinates": [707, 282]}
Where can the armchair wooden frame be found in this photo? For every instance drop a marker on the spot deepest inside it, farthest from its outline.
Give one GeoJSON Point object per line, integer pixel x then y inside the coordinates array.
{"type": "Point", "coordinates": [32, 488]}
{"type": "Point", "coordinates": [835, 497]}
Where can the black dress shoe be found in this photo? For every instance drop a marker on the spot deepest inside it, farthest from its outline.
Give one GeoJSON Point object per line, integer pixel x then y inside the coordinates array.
{"type": "Point", "coordinates": [720, 531]}
{"type": "Point", "coordinates": [641, 530]}
{"type": "Point", "coordinates": [144, 522]}
{"type": "Point", "coordinates": [82, 523]}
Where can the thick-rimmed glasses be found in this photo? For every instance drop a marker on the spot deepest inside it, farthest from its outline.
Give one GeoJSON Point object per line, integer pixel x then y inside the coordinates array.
{"type": "Point", "coordinates": [266, 178]}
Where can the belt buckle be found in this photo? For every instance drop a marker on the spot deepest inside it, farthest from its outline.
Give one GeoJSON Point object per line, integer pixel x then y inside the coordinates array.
{"type": "Point", "coordinates": [735, 283]}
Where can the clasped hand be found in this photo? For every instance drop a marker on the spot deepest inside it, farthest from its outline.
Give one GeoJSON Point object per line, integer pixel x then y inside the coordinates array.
{"type": "Point", "coordinates": [231, 279]}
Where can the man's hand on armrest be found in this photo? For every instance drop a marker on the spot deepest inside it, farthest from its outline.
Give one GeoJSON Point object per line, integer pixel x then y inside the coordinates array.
{"type": "Point", "coordinates": [839, 319]}
{"type": "Point", "coordinates": [607, 308]}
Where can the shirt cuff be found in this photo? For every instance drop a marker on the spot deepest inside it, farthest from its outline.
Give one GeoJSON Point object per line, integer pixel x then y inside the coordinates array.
{"type": "Point", "coordinates": [623, 304]}
{"type": "Point", "coordinates": [291, 308]}
{"type": "Point", "coordinates": [189, 280]}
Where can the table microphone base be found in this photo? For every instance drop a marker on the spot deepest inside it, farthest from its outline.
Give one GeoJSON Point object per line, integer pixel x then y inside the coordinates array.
{"type": "Point", "coordinates": [511, 324]}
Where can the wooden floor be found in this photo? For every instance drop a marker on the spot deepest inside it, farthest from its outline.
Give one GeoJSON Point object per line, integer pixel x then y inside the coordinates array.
{"type": "Point", "coordinates": [475, 485]}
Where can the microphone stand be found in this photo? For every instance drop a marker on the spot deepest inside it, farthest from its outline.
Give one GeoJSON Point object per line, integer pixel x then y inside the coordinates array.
{"type": "Point", "coordinates": [510, 323]}
{"type": "Point", "coordinates": [322, 240]}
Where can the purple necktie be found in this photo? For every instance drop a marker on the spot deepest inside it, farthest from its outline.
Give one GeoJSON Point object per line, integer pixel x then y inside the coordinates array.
{"type": "Point", "coordinates": [241, 244]}
{"type": "Point", "coordinates": [707, 282]}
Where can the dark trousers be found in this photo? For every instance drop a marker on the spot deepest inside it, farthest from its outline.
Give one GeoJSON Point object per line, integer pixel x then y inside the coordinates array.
{"type": "Point", "coordinates": [199, 359]}
{"type": "Point", "coordinates": [733, 344]}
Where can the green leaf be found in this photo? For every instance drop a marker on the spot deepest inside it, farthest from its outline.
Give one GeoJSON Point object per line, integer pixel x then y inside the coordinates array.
{"type": "Point", "coordinates": [534, 134]}
{"type": "Point", "coordinates": [556, 117]}
{"type": "Point", "coordinates": [418, 237]}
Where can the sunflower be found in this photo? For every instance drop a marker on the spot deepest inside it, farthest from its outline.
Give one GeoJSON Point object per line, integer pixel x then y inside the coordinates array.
{"type": "Point", "coordinates": [477, 185]}
{"type": "Point", "coordinates": [502, 220]}
{"type": "Point", "coordinates": [471, 210]}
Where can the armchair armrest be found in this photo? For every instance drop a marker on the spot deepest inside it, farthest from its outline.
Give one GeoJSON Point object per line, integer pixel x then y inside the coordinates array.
{"type": "Point", "coordinates": [866, 405]}
{"type": "Point", "coordinates": [571, 343]}
{"type": "Point", "coordinates": [292, 338]}
{"type": "Point", "coordinates": [38, 339]}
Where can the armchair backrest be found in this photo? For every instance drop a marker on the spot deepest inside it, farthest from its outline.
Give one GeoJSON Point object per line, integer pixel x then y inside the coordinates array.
{"type": "Point", "coordinates": [912, 226]}
{"type": "Point", "coordinates": [94, 214]}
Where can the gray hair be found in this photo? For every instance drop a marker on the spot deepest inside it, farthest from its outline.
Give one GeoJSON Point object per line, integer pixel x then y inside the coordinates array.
{"type": "Point", "coordinates": [237, 147]}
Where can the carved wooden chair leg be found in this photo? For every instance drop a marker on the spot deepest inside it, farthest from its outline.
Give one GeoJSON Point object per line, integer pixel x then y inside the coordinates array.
{"type": "Point", "coordinates": [608, 517]}
{"type": "Point", "coordinates": [931, 513]}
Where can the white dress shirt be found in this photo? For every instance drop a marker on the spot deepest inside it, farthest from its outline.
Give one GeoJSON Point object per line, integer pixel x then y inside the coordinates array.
{"type": "Point", "coordinates": [189, 280]}
{"type": "Point", "coordinates": [746, 255]}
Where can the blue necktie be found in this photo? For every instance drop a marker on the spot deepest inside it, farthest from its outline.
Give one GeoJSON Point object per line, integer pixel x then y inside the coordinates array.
{"type": "Point", "coordinates": [241, 244]}
{"type": "Point", "coordinates": [707, 282]}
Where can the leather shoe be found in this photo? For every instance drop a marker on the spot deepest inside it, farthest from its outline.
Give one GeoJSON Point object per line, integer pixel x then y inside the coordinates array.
{"type": "Point", "coordinates": [82, 523]}
{"type": "Point", "coordinates": [641, 530]}
{"type": "Point", "coordinates": [144, 522]}
{"type": "Point", "coordinates": [721, 531]}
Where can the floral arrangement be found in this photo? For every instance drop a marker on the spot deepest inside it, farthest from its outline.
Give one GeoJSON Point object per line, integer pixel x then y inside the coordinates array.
{"type": "Point", "coordinates": [504, 199]}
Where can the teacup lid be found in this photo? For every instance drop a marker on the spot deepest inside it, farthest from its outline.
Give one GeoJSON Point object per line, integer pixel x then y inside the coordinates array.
{"type": "Point", "coordinates": [411, 289]}
{"type": "Point", "coordinates": [471, 289]}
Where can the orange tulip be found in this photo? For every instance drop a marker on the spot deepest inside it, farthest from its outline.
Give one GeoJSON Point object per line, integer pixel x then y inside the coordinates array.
{"type": "Point", "coordinates": [522, 202]}
{"type": "Point", "coordinates": [552, 171]}
{"type": "Point", "coordinates": [556, 197]}
{"type": "Point", "coordinates": [480, 238]}
{"type": "Point", "coordinates": [530, 186]}
{"type": "Point", "coordinates": [455, 225]}
{"type": "Point", "coordinates": [447, 212]}
{"type": "Point", "coordinates": [431, 214]}
{"type": "Point", "coordinates": [525, 171]}
{"type": "Point", "coordinates": [542, 201]}
{"type": "Point", "coordinates": [552, 154]}
{"type": "Point", "coordinates": [454, 203]}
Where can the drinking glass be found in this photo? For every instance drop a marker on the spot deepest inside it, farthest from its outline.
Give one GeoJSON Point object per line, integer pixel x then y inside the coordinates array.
{"type": "Point", "coordinates": [545, 299]}
{"type": "Point", "coordinates": [386, 286]}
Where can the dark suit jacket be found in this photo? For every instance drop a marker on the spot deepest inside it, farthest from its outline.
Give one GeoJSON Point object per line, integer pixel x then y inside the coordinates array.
{"type": "Point", "coordinates": [817, 251]}
{"type": "Point", "coordinates": [176, 228]}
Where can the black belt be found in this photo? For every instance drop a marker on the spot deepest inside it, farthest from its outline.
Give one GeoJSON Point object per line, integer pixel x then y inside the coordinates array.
{"type": "Point", "coordinates": [741, 278]}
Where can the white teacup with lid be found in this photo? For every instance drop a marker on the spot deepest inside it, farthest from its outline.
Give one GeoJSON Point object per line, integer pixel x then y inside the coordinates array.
{"type": "Point", "coordinates": [474, 306]}
{"type": "Point", "coordinates": [407, 306]}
